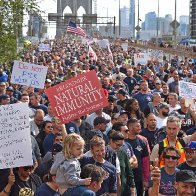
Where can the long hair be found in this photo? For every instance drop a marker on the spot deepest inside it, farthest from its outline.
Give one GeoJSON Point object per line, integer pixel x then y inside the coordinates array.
{"type": "Point", "coordinates": [69, 141]}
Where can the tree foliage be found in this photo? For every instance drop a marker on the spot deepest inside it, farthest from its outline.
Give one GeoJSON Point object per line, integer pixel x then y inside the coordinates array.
{"type": "Point", "coordinates": [11, 21]}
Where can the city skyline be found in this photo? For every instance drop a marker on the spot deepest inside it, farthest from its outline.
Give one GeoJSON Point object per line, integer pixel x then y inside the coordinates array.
{"type": "Point", "coordinates": [111, 8]}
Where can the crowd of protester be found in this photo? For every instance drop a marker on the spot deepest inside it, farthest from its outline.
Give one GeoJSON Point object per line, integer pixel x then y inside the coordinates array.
{"type": "Point", "coordinates": [142, 143]}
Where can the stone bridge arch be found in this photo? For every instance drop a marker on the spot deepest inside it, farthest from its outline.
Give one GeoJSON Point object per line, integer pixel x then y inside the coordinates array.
{"type": "Point", "coordinates": [74, 6]}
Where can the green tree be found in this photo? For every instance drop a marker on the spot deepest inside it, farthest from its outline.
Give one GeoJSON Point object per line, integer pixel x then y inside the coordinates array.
{"type": "Point", "coordinates": [11, 21]}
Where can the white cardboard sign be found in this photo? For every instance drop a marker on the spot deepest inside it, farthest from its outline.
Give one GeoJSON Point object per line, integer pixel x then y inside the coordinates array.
{"type": "Point", "coordinates": [141, 58]}
{"type": "Point", "coordinates": [15, 141]}
{"type": "Point", "coordinates": [187, 89]}
{"type": "Point", "coordinates": [44, 47]}
{"type": "Point", "coordinates": [28, 74]}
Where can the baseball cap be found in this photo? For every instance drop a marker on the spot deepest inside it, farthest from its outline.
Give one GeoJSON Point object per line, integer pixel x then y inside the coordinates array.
{"type": "Point", "coordinates": [185, 176]}
{"type": "Point", "coordinates": [4, 96]}
{"type": "Point", "coordinates": [190, 71]}
{"type": "Point", "coordinates": [2, 84]}
{"type": "Point", "coordinates": [112, 98]}
{"type": "Point", "coordinates": [99, 120]}
{"type": "Point", "coordinates": [57, 147]}
{"type": "Point", "coordinates": [48, 80]}
{"type": "Point", "coordinates": [191, 145]}
{"type": "Point", "coordinates": [123, 112]}
{"type": "Point", "coordinates": [163, 105]}
{"type": "Point", "coordinates": [9, 88]}
{"type": "Point", "coordinates": [158, 82]}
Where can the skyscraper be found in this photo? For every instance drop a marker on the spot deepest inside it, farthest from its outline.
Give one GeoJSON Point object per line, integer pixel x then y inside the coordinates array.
{"type": "Point", "coordinates": [124, 16]}
{"type": "Point", "coordinates": [150, 21]}
{"type": "Point", "coordinates": [132, 17]}
{"type": "Point", "coordinates": [184, 25]}
{"type": "Point", "coordinates": [193, 19]}
{"type": "Point", "coordinates": [167, 27]}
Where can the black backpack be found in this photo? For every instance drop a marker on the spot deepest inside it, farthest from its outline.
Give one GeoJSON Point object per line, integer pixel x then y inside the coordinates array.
{"type": "Point", "coordinates": [161, 146]}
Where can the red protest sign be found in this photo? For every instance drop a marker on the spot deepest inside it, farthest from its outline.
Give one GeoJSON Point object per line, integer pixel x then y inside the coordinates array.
{"type": "Point", "coordinates": [77, 97]}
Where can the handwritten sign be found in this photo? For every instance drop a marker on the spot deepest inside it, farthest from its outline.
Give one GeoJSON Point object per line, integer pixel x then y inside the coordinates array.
{"type": "Point", "coordinates": [155, 55]}
{"type": "Point", "coordinates": [124, 46]}
{"type": "Point", "coordinates": [28, 74]}
{"type": "Point", "coordinates": [15, 141]}
{"type": "Point", "coordinates": [103, 43]}
{"type": "Point", "coordinates": [77, 97]}
{"type": "Point", "coordinates": [44, 47]}
{"type": "Point", "coordinates": [187, 89]}
{"type": "Point", "coordinates": [141, 58]}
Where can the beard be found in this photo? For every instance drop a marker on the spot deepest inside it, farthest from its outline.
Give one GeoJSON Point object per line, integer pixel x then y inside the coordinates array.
{"type": "Point", "coordinates": [165, 114]}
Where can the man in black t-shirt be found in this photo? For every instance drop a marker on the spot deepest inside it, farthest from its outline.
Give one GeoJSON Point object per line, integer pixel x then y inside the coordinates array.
{"type": "Point", "coordinates": [150, 131]}
{"type": "Point", "coordinates": [122, 99]}
{"type": "Point", "coordinates": [141, 174]}
{"type": "Point", "coordinates": [130, 81]}
{"type": "Point", "coordinates": [186, 114]}
{"type": "Point", "coordinates": [98, 151]}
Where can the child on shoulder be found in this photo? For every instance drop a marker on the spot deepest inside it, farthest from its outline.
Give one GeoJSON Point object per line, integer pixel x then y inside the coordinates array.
{"type": "Point", "coordinates": [66, 165]}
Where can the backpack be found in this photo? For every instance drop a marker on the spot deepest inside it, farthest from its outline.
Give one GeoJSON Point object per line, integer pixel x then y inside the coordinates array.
{"type": "Point", "coordinates": [161, 146]}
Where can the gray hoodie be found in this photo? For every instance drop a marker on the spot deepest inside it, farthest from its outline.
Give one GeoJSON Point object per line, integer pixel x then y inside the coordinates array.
{"type": "Point", "coordinates": [67, 172]}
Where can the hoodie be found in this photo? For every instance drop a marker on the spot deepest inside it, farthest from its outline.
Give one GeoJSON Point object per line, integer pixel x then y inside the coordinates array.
{"type": "Point", "coordinates": [67, 172]}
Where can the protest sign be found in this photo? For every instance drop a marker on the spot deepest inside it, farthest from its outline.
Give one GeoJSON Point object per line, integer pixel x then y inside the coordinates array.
{"type": "Point", "coordinates": [15, 145]}
{"type": "Point", "coordinates": [28, 74]}
{"type": "Point", "coordinates": [155, 55]}
{"type": "Point", "coordinates": [95, 40]}
{"type": "Point", "coordinates": [77, 97]}
{"type": "Point", "coordinates": [187, 89]}
{"type": "Point", "coordinates": [103, 43]}
{"type": "Point", "coordinates": [44, 47]}
{"type": "Point", "coordinates": [141, 58]}
{"type": "Point", "coordinates": [125, 46]}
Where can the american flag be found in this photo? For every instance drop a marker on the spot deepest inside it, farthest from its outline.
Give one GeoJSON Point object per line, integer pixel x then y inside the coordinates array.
{"type": "Point", "coordinates": [73, 28]}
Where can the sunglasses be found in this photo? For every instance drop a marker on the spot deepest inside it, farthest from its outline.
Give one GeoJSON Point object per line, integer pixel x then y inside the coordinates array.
{"type": "Point", "coordinates": [171, 157]}
{"type": "Point", "coordinates": [50, 127]}
{"type": "Point", "coordinates": [190, 151]}
{"type": "Point", "coordinates": [28, 168]}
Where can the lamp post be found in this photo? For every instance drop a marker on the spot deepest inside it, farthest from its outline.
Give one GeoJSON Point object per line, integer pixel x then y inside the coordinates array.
{"type": "Point", "coordinates": [119, 20]}
{"type": "Point", "coordinates": [158, 24]}
{"type": "Point", "coordinates": [175, 26]}
{"type": "Point", "coordinates": [138, 21]}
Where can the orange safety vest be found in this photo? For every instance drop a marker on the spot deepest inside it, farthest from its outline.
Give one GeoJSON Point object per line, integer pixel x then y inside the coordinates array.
{"type": "Point", "coordinates": [178, 146]}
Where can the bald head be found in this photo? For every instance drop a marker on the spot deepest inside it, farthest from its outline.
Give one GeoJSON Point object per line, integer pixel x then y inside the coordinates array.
{"type": "Point", "coordinates": [39, 116]}
{"type": "Point", "coordinates": [151, 122]}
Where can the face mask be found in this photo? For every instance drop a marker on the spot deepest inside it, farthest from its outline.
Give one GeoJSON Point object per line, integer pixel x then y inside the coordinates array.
{"type": "Point", "coordinates": [165, 114]}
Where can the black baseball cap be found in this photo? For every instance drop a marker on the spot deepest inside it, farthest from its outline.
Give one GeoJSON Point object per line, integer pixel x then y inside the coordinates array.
{"type": "Point", "coordinates": [99, 120]}
{"type": "Point", "coordinates": [112, 98]}
{"type": "Point", "coordinates": [185, 176]}
{"type": "Point", "coordinates": [4, 96]}
{"type": "Point", "coordinates": [10, 88]}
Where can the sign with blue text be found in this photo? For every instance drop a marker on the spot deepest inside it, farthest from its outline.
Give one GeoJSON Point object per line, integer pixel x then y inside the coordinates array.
{"type": "Point", "coordinates": [28, 74]}
{"type": "Point", "coordinates": [44, 47]}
